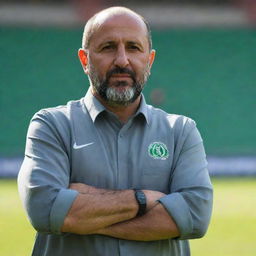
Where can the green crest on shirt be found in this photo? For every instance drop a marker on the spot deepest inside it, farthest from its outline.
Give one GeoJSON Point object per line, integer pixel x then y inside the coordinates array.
{"type": "Point", "coordinates": [158, 150]}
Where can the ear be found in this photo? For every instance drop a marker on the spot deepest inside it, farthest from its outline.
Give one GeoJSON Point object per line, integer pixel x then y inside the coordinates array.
{"type": "Point", "coordinates": [152, 57]}
{"type": "Point", "coordinates": [82, 55]}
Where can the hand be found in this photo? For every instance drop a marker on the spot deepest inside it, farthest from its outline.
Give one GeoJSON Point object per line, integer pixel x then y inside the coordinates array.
{"type": "Point", "coordinates": [152, 197]}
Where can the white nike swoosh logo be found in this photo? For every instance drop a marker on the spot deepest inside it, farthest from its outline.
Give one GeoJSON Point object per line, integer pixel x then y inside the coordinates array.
{"type": "Point", "coordinates": [75, 146]}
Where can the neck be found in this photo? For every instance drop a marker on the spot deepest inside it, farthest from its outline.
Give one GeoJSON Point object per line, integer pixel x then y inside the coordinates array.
{"type": "Point", "coordinates": [122, 112]}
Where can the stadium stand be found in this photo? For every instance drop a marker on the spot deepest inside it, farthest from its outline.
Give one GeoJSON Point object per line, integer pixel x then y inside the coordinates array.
{"type": "Point", "coordinates": [205, 73]}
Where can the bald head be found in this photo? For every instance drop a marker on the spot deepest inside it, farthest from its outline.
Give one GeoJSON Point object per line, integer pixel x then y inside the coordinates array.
{"type": "Point", "coordinates": [99, 18]}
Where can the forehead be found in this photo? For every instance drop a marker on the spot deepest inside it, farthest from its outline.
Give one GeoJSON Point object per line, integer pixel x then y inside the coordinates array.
{"type": "Point", "coordinates": [125, 27]}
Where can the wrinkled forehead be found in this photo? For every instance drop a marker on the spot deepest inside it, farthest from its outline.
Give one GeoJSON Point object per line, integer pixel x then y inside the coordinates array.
{"type": "Point", "coordinates": [118, 19]}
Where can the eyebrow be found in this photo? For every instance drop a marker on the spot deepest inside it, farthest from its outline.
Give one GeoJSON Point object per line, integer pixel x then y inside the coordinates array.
{"type": "Point", "coordinates": [134, 42]}
{"type": "Point", "coordinates": [111, 42]}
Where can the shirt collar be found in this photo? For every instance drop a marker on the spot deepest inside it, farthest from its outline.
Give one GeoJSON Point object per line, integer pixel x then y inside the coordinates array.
{"type": "Point", "coordinates": [143, 109]}
{"type": "Point", "coordinates": [94, 106]}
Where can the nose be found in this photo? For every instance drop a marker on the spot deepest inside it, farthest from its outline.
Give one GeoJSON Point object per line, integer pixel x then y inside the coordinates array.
{"type": "Point", "coordinates": [121, 58]}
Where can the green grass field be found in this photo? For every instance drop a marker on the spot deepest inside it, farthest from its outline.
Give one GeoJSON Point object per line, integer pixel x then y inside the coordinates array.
{"type": "Point", "coordinates": [232, 230]}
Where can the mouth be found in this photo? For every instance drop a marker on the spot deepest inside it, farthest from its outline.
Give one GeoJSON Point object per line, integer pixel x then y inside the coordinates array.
{"type": "Point", "coordinates": [121, 76]}
{"type": "Point", "coordinates": [121, 80]}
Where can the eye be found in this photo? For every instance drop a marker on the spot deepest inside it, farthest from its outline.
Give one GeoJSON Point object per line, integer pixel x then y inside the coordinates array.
{"type": "Point", "coordinates": [133, 47]}
{"type": "Point", "coordinates": [108, 47]}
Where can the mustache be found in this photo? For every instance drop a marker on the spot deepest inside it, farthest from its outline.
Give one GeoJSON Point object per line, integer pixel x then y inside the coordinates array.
{"type": "Point", "coordinates": [119, 70]}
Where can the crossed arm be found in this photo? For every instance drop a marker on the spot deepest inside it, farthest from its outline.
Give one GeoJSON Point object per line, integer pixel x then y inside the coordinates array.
{"type": "Point", "coordinates": [46, 198]}
{"type": "Point", "coordinates": [113, 213]}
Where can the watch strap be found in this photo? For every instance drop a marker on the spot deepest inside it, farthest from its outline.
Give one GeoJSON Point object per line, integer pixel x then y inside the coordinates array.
{"type": "Point", "coordinates": [142, 202]}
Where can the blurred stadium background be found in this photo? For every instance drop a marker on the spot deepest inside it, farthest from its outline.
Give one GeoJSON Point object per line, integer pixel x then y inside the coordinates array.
{"type": "Point", "coordinates": [205, 68]}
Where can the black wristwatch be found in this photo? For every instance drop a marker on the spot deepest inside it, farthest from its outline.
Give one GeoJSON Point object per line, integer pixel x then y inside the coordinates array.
{"type": "Point", "coordinates": [142, 201]}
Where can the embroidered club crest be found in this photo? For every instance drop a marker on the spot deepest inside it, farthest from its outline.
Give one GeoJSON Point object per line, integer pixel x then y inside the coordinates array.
{"type": "Point", "coordinates": [158, 150]}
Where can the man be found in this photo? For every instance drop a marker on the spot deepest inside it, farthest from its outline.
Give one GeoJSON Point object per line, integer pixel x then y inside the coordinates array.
{"type": "Point", "coordinates": [109, 174]}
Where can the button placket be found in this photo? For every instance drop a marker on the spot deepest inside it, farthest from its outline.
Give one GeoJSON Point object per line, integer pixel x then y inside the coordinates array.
{"type": "Point", "coordinates": [122, 178]}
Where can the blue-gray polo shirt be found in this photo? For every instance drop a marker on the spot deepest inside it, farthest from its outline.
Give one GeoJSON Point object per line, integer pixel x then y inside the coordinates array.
{"type": "Point", "coordinates": [83, 142]}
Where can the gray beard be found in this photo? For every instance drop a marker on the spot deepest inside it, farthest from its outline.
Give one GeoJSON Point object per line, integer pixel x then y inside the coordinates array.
{"type": "Point", "coordinates": [124, 98]}
{"type": "Point", "coordinates": [112, 95]}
